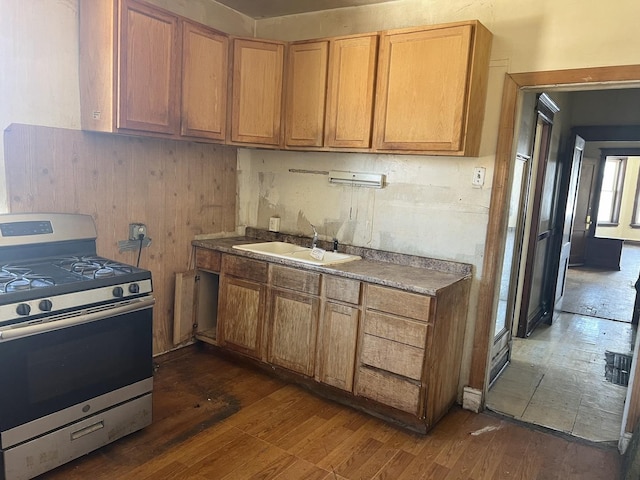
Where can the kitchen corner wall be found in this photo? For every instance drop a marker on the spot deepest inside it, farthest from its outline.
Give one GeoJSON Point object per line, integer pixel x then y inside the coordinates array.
{"type": "Point", "coordinates": [39, 82]}
{"type": "Point", "coordinates": [178, 189]}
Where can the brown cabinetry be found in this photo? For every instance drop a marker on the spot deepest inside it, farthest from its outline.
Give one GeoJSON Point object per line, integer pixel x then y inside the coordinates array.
{"type": "Point", "coordinates": [383, 349]}
{"type": "Point", "coordinates": [256, 102]}
{"type": "Point", "coordinates": [392, 355]}
{"type": "Point", "coordinates": [305, 96]}
{"type": "Point", "coordinates": [350, 91]}
{"type": "Point", "coordinates": [148, 71]}
{"type": "Point", "coordinates": [242, 303]}
{"type": "Point", "coordinates": [145, 70]}
{"type": "Point", "coordinates": [204, 82]}
{"type": "Point", "coordinates": [293, 318]}
{"type": "Point", "coordinates": [431, 89]}
{"type": "Point", "coordinates": [329, 92]}
{"type": "Point", "coordinates": [338, 332]}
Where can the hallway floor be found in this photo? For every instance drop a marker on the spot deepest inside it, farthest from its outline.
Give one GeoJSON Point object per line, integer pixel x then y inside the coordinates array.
{"type": "Point", "coordinates": [556, 378]}
{"type": "Point", "coordinates": [585, 295]}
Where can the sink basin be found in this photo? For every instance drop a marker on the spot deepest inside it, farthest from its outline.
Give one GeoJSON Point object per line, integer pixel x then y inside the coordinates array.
{"type": "Point", "coordinates": [296, 253]}
{"type": "Point", "coordinates": [329, 258]}
{"type": "Point", "coordinates": [271, 248]}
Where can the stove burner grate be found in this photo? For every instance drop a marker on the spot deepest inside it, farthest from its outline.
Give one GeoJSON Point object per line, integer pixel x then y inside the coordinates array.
{"type": "Point", "coordinates": [14, 279]}
{"type": "Point", "coordinates": [93, 267]}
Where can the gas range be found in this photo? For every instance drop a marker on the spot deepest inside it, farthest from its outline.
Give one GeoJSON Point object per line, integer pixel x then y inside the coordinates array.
{"type": "Point", "coordinates": [76, 344]}
{"type": "Point", "coordinates": [71, 275]}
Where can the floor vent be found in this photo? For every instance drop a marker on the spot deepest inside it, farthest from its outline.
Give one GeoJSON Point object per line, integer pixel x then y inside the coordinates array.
{"type": "Point", "coordinates": [617, 368]}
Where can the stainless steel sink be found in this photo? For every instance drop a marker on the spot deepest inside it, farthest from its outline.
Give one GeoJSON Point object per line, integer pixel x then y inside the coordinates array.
{"type": "Point", "coordinates": [297, 253]}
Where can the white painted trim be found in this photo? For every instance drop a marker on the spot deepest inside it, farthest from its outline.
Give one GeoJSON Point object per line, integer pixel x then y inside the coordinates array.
{"type": "Point", "coordinates": [472, 399]}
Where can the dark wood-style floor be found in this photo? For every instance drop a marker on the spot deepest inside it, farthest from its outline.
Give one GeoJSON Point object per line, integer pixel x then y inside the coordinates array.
{"type": "Point", "coordinates": [214, 419]}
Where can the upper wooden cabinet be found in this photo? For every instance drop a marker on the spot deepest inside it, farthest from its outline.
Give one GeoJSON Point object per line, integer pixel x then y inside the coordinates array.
{"type": "Point", "coordinates": [432, 89]}
{"type": "Point", "coordinates": [146, 70]}
{"type": "Point", "coordinates": [129, 67]}
{"type": "Point", "coordinates": [204, 82]}
{"type": "Point", "coordinates": [329, 92]}
{"type": "Point", "coordinates": [306, 91]}
{"type": "Point", "coordinates": [350, 92]}
{"type": "Point", "coordinates": [256, 102]}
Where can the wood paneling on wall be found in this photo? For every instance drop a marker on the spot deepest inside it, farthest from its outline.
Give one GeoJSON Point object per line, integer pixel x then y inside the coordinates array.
{"type": "Point", "coordinates": [178, 189]}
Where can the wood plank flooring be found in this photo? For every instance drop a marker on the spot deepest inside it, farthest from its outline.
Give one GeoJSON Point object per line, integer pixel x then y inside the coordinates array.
{"type": "Point", "coordinates": [214, 419]}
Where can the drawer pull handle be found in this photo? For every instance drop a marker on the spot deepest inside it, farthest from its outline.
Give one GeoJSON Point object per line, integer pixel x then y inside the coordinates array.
{"type": "Point", "coordinates": [87, 430]}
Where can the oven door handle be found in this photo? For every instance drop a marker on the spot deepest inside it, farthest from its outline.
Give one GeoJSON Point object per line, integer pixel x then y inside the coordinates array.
{"type": "Point", "coordinates": [87, 316]}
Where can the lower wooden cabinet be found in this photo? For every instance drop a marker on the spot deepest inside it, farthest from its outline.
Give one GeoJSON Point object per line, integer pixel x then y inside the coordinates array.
{"type": "Point", "coordinates": [391, 390]}
{"type": "Point", "coordinates": [292, 332]}
{"type": "Point", "coordinates": [388, 350]}
{"type": "Point", "coordinates": [241, 312]}
{"type": "Point", "coordinates": [242, 304]}
{"type": "Point", "coordinates": [337, 340]}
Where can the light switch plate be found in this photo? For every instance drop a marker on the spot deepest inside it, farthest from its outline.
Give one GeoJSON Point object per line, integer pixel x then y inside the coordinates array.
{"type": "Point", "coordinates": [478, 176]}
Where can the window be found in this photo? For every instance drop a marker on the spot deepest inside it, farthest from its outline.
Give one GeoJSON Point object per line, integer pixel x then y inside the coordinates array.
{"type": "Point", "coordinates": [611, 191]}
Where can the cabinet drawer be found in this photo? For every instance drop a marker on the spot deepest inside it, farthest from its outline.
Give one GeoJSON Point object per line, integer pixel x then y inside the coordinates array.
{"type": "Point", "coordinates": [398, 302]}
{"type": "Point", "coordinates": [392, 356]}
{"type": "Point", "coordinates": [294, 279]}
{"type": "Point", "coordinates": [342, 289]}
{"type": "Point", "coordinates": [388, 390]}
{"type": "Point", "coordinates": [245, 268]}
{"type": "Point", "coordinates": [208, 259]}
{"type": "Point", "coordinates": [397, 329]}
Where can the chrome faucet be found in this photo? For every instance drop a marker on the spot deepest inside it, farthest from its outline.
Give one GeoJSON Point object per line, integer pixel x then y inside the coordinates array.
{"type": "Point", "coordinates": [314, 242]}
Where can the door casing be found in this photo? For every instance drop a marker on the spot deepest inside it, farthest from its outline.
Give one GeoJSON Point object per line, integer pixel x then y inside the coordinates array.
{"type": "Point", "coordinates": [604, 77]}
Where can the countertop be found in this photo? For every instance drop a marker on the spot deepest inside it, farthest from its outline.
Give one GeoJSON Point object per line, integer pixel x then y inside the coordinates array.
{"type": "Point", "coordinates": [411, 273]}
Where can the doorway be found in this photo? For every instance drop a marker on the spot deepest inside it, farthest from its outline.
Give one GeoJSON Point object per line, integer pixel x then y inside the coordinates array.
{"type": "Point", "coordinates": [560, 376]}
{"type": "Point", "coordinates": [514, 85]}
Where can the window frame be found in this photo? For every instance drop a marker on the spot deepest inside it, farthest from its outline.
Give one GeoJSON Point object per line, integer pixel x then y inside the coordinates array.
{"type": "Point", "coordinates": [614, 214]}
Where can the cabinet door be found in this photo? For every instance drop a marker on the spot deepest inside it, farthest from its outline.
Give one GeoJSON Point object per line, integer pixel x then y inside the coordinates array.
{"type": "Point", "coordinates": [349, 118]}
{"type": "Point", "coordinates": [149, 69]}
{"type": "Point", "coordinates": [422, 86]}
{"type": "Point", "coordinates": [204, 82]}
{"type": "Point", "coordinates": [337, 339]}
{"type": "Point", "coordinates": [306, 90]}
{"type": "Point", "coordinates": [240, 315]}
{"type": "Point", "coordinates": [257, 91]}
{"type": "Point", "coordinates": [292, 339]}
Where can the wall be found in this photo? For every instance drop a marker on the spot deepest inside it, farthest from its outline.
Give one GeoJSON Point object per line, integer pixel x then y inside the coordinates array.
{"type": "Point", "coordinates": [39, 59]}
{"type": "Point", "coordinates": [178, 189]}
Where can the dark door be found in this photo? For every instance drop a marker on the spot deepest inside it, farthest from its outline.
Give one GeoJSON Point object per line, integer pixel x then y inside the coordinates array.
{"type": "Point", "coordinates": [572, 172]}
{"type": "Point", "coordinates": [582, 225]}
{"type": "Point", "coordinates": [541, 266]}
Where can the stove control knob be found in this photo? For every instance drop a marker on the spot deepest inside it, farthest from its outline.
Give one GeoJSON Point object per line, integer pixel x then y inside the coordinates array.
{"type": "Point", "coordinates": [45, 305]}
{"type": "Point", "coordinates": [118, 292]}
{"type": "Point", "coordinates": [134, 288]}
{"type": "Point", "coordinates": [23, 309]}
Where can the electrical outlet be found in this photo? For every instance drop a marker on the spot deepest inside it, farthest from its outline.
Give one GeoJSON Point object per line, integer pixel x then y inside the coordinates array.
{"type": "Point", "coordinates": [137, 229]}
{"type": "Point", "coordinates": [274, 224]}
{"type": "Point", "coordinates": [478, 176]}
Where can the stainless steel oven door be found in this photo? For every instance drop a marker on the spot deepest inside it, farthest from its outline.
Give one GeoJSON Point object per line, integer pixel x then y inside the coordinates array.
{"type": "Point", "coordinates": [60, 362]}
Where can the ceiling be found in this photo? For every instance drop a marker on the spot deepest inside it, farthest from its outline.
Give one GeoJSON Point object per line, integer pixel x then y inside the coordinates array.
{"type": "Point", "coordinates": [277, 8]}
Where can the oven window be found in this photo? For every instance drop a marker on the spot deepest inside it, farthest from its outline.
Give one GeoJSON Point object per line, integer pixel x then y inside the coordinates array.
{"type": "Point", "coordinates": [109, 353]}
{"type": "Point", "coordinates": [55, 370]}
